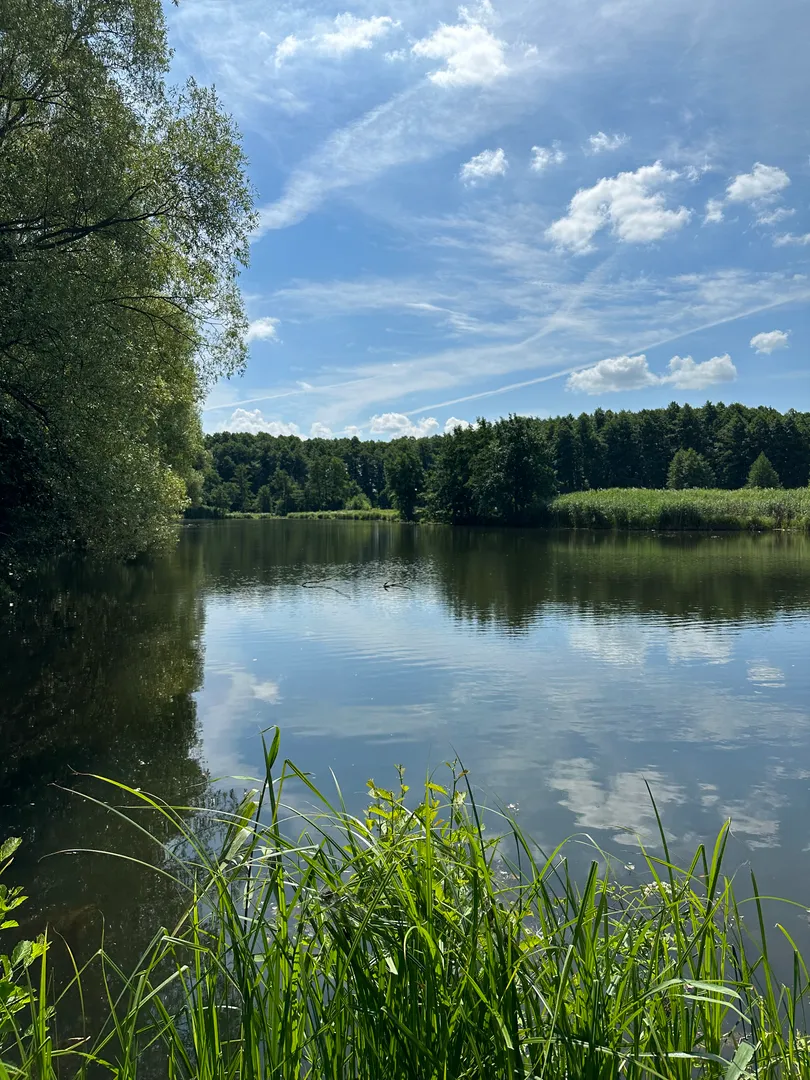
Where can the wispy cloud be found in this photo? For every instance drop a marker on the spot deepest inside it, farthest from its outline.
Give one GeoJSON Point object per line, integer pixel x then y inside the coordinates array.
{"type": "Point", "coordinates": [544, 157]}
{"type": "Point", "coordinates": [484, 166]}
{"type": "Point", "coordinates": [600, 143]}
{"type": "Point", "coordinates": [791, 240]}
{"type": "Point", "coordinates": [346, 34]}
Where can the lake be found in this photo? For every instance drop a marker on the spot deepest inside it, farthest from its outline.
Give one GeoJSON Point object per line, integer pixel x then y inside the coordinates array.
{"type": "Point", "coordinates": [564, 670]}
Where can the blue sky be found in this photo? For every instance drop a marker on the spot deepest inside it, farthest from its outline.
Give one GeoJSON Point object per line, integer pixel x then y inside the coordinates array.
{"type": "Point", "coordinates": [513, 207]}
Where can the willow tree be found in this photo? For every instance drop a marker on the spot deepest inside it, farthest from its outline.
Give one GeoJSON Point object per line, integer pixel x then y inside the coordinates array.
{"type": "Point", "coordinates": [124, 220]}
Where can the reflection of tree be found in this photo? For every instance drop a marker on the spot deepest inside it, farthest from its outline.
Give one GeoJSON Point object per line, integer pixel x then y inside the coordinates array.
{"type": "Point", "coordinates": [98, 672]}
{"type": "Point", "coordinates": [509, 577]}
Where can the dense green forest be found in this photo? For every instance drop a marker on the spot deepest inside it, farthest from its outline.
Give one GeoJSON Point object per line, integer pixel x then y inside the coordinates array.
{"type": "Point", "coordinates": [507, 471]}
{"type": "Point", "coordinates": [124, 219]}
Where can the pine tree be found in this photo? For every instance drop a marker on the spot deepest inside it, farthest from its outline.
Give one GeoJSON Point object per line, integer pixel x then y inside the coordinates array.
{"type": "Point", "coordinates": [763, 474]}
{"type": "Point", "coordinates": [689, 469]}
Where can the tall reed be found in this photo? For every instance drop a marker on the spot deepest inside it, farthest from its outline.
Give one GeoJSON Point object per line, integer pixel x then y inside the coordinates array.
{"type": "Point", "coordinates": [407, 943]}
{"type": "Point", "coordinates": [695, 509]}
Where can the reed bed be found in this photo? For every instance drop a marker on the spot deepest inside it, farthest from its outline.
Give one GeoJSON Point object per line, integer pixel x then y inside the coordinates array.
{"type": "Point", "coordinates": [373, 514]}
{"type": "Point", "coordinates": [694, 509]}
{"type": "Point", "coordinates": [407, 944]}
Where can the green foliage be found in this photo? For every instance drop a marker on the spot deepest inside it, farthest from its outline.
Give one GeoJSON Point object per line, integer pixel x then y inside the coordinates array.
{"type": "Point", "coordinates": [16, 992]}
{"type": "Point", "coordinates": [502, 472]}
{"type": "Point", "coordinates": [763, 474]}
{"type": "Point", "coordinates": [630, 508]}
{"type": "Point", "coordinates": [689, 469]}
{"type": "Point", "coordinates": [403, 943]}
{"type": "Point", "coordinates": [328, 485]}
{"type": "Point", "coordinates": [124, 215]}
{"type": "Point", "coordinates": [404, 477]}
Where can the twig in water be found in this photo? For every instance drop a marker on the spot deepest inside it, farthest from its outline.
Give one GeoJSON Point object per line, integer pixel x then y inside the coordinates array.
{"type": "Point", "coordinates": [331, 588]}
{"type": "Point", "coordinates": [396, 585]}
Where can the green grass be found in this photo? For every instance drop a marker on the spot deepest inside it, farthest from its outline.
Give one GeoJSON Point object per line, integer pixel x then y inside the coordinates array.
{"type": "Point", "coordinates": [406, 945]}
{"type": "Point", "coordinates": [640, 508]}
{"type": "Point", "coordinates": [347, 515]}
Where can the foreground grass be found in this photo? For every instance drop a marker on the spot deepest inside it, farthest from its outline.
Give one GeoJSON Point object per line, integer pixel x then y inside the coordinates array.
{"type": "Point", "coordinates": [404, 944]}
{"type": "Point", "coordinates": [640, 508]}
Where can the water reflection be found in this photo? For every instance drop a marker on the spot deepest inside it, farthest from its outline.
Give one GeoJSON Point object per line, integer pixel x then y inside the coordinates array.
{"type": "Point", "coordinates": [567, 670]}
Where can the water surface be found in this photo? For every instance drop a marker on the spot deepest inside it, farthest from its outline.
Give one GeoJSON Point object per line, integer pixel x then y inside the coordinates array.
{"type": "Point", "coordinates": [565, 670]}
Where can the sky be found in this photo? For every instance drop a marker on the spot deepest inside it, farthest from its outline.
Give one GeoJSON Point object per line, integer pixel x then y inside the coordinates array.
{"type": "Point", "coordinates": [537, 208]}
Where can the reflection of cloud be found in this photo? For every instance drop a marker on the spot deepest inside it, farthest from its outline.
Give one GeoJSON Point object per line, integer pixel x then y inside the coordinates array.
{"type": "Point", "coordinates": [621, 803]}
{"type": "Point", "coordinates": [230, 712]}
{"type": "Point", "coordinates": [613, 641]}
{"type": "Point", "coordinates": [765, 674]}
{"type": "Point", "coordinates": [267, 691]}
{"type": "Point", "coordinates": [699, 643]}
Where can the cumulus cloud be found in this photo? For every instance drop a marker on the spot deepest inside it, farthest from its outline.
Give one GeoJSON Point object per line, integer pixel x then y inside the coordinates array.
{"type": "Point", "coordinates": [633, 373]}
{"type": "Point", "coordinates": [471, 54]}
{"type": "Point", "coordinates": [398, 424]}
{"type": "Point", "coordinates": [629, 203]}
{"type": "Point", "coordinates": [601, 143]}
{"type": "Point", "coordinates": [351, 431]}
{"type": "Point", "coordinates": [770, 340]}
{"type": "Point", "coordinates": [453, 423]}
{"type": "Point", "coordinates": [543, 157]}
{"type": "Point", "coordinates": [714, 212]}
{"type": "Point", "coordinates": [613, 374]}
{"type": "Point", "coordinates": [320, 431]}
{"type": "Point", "coordinates": [484, 166]}
{"type": "Point", "coordinates": [791, 239]}
{"type": "Point", "coordinates": [773, 217]}
{"type": "Point", "coordinates": [686, 374]}
{"type": "Point", "coordinates": [346, 34]}
{"type": "Point", "coordinates": [252, 421]}
{"type": "Point", "coordinates": [265, 329]}
{"type": "Point", "coordinates": [763, 182]}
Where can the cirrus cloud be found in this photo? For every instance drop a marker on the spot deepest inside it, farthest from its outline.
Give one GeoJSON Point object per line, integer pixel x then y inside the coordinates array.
{"type": "Point", "coordinates": [629, 204]}
{"type": "Point", "coordinates": [769, 341]}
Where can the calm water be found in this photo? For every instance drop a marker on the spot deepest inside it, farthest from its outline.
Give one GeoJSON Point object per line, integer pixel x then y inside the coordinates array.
{"type": "Point", "coordinates": [565, 670]}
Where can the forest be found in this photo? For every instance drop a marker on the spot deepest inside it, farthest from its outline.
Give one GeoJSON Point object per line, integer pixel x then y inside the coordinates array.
{"type": "Point", "coordinates": [507, 471]}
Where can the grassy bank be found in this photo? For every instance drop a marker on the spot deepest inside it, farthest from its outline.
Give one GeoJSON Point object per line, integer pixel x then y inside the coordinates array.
{"type": "Point", "coordinates": [346, 515]}
{"type": "Point", "coordinates": [404, 944]}
{"type": "Point", "coordinates": [639, 508]}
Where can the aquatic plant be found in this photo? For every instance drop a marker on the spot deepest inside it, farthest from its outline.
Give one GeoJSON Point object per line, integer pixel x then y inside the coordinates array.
{"type": "Point", "coordinates": [409, 943]}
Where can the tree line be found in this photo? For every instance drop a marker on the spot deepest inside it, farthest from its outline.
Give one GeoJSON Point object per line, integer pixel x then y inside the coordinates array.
{"type": "Point", "coordinates": [506, 471]}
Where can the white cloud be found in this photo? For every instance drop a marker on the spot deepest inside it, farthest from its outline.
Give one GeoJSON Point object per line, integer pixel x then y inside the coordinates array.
{"type": "Point", "coordinates": [265, 329]}
{"type": "Point", "coordinates": [472, 55]}
{"type": "Point", "coordinates": [788, 239]}
{"type": "Point", "coordinates": [398, 424]}
{"type": "Point", "coordinates": [616, 373]}
{"type": "Point", "coordinates": [633, 373]}
{"type": "Point", "coordinates": [543, 157]}
{"type": "Point", "coordinates": [629, 203]}
{"type": "Point", "coordinates": [252, 421]}
{"type": "Point", "coordinates": [772, 217]}
{"type": "Point", "coordinates": [770, 340]}
{"type": "Point", "coordinates": [351, 431]}
{"type": "Point", "coordinates": [714, 212]}
{"type": "Point", "coordinates": [484, 166]}
{"type": "Point", "coordinates": [345, 35]}
{"type": "Point", "coordinates": [453, 422]}
{"type": "Point", "coordinates": [763, 182]}
{"type": "Point", "coordinates": [287, 48]}
{"type": "Point", "coordinates": [320, 431]}
{"type": "Point", "coordinates": [601, 143]}
{"type": "Point", "coordinates": [685, 374]}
